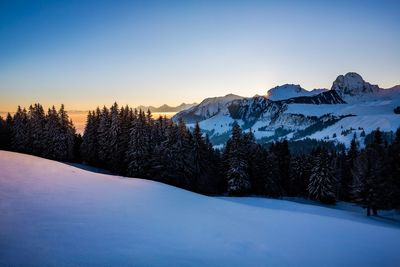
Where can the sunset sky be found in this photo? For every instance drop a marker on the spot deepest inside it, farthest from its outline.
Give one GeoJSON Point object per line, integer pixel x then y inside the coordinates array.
{"type": "Point", "coordinates": [90, 53]}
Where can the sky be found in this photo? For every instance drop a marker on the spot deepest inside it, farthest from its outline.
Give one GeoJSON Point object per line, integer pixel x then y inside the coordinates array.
{"type": "Point", "coordinates": [91, 53]}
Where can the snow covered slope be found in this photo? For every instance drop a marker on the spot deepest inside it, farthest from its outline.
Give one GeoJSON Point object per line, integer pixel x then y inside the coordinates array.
{"type": "Point", "coordinates": [351, 106]}
{"type": "Point", "coordinates": [54, 214]}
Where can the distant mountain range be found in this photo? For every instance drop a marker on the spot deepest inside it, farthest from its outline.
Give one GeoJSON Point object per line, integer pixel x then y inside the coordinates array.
{"type": "Point", "coordinates": [166, 108]}
{"type": "Point", "coordinates": [351, 107]}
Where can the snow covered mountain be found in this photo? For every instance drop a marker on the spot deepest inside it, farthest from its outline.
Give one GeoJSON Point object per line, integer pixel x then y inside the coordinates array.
{"type": "Point", "coordinates": [208, 108]}
{"type": "Point", "coordinates": [53, 214]}
{"type": "Point", "coordinates": [289, 91]}
{"type": "Point", "coordinates": [352, 88]}
{"type": "Point", "coordinates": [351, 106]}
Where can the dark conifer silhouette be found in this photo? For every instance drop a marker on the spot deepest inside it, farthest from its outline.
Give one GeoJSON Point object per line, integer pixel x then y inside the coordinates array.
{"type": "Point", "coordinates": [133, 143]}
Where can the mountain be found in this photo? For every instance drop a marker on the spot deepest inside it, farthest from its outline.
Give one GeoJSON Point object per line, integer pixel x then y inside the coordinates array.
{"type": "Point", "coordinates": [351, 106]}
{"type": "Point", "coordinates": [166, 108]}
{"type": "Point", "coordinates": [353, 88]}
{"type": "Point", "coordinates": [290, 90]}
{"type": "Point", "coordinates": [53, 214]}
{"type": "Point", "coordinates": [208, 108]}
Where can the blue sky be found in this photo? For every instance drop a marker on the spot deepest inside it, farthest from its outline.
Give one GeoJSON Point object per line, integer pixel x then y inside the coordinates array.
{"type": "Point", "coordinates": [89, 53]}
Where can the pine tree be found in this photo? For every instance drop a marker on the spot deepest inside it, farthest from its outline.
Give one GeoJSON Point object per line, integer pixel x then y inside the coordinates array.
{"type": "Point", "coordinates": [162, 159]}
{"type": "Point", "coordinates": [60, 135]}
{"type": "Point", "coordinates": [157, 160]}
{"type": "Point", "coordinates": [37, 121]}
{"type": "Point", "coordinates": [200, 162]}
{"type": "Point", "coordinates": [68, 132]}
{"type": "Point", "coordinates": [126, 118]}
{"type": "Point", "coordinates": [205, 164]}
{"type": "Point", "coordinates": [321, 185]}
{"type": "Point", "coordinates": [55, 146]}
{"type": "Point", "coordinates": [20, 131]}
{"type": "Point", "coordinates": [2, 133]}
{"type": "Point", "coordinates": [344, 176]}
{"type": "Point", "coordinates": [138, 153]}
{"type": "Point", "coordinates": [300, 171]}
{"type": "Point", "coordinates": [271, 175]}
{"type": "Point", "coordinates": [103, 136]}
{"type": "Point", "coordinates": [258, 173]}
{"type": "Point", "coordinates": [365, 188]}
{"type": "Point", "coordinates": [114, 136]}
{"type": "Point", "coordinates": [52, 135]}
{"type": "Point", "coordinates": [282, 152]}
{"type": "Point", "coordinates": [394, 171]}
{"type": "Point", "coordinates": [238, 180]}
{"type": "Point", "coordinates": [181, 151]}
{"type": "Point", "coordinates": [5, 132]}
{"type": "Point", "coordinates": [89, 147]}
{"type": "Point", "coordinates": [370, 186]}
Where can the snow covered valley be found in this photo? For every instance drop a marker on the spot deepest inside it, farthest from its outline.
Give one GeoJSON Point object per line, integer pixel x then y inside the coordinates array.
{"type": "Point", "coordinates": [53, 214]}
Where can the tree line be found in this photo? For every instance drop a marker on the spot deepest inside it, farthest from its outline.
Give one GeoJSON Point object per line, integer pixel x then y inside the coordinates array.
{"type": "Point", "coordinates": [131, 142]}
{"type": "Point", "coordinates": [50, 135]}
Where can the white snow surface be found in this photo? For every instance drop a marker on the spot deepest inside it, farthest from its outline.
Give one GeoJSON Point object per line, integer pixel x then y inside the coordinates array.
{"type": "Point", "coordinates": [53, 214]}
{"type": "Point", "coordinates": [368, 116]}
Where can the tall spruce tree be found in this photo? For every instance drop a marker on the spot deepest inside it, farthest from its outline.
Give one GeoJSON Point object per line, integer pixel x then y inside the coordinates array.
{"type": "Point", "coordinates": [103, 136]}
{"type": "Point", "coordinates": [271, 185]}
{"type": "Point", "coordinates": [282, 152]}
{"type": "Point", "coordinates": [322, 182]}
{"type": "Point", "coordinates": [68, 133]}
{"type": "Point", "coordinates": [370, 186]}
{"type": "Point", "coordinates": [20, 131]}
{"type": "Point", "coordinates": [5, 132]}
{"type": "Point", "coordinates": [205, 164]}
{"type": "Point", "coordinates": [237, 174]}
{"type": "Point", "coordinates": [89, 147]}
{"type": "Point", "coordinates": [181, 151]}
{"type": "Point", "coordinates": [300, 171]}
{"type": "Point", "coordinates": [394, 171]}
{"type": "Point", "coordinates": [37, 121]}
{"type": "Point", "coordinates": [126, 118]}
{"type": "Point", "coordinates": [138, 153]}
{"type": "Point", "coordinates": [114, 136]}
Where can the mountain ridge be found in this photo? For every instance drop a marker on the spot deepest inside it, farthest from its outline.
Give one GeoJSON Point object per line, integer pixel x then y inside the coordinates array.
{"type": "Point", "coordinates": [350, 104]}
{"type": "Point", "coordinates": [166, 108]}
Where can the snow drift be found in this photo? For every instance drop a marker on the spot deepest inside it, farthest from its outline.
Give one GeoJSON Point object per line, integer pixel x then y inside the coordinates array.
{"type": "Point", "coordinates": [53, 214]}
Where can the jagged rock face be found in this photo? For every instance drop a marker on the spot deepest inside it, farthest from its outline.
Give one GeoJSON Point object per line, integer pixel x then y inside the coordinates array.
{"type": "Point", "coordinates": [251, 109]}
{"type": "Point", "coordinates": [352, 84]}
{"type": "Point", "coordinates": [329, 97]}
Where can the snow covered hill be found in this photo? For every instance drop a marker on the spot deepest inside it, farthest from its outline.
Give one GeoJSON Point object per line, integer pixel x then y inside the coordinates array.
{"type": "Point", "coordinates": [53, 214]}
{"type": "Point", "coordinates": [351, 106]}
